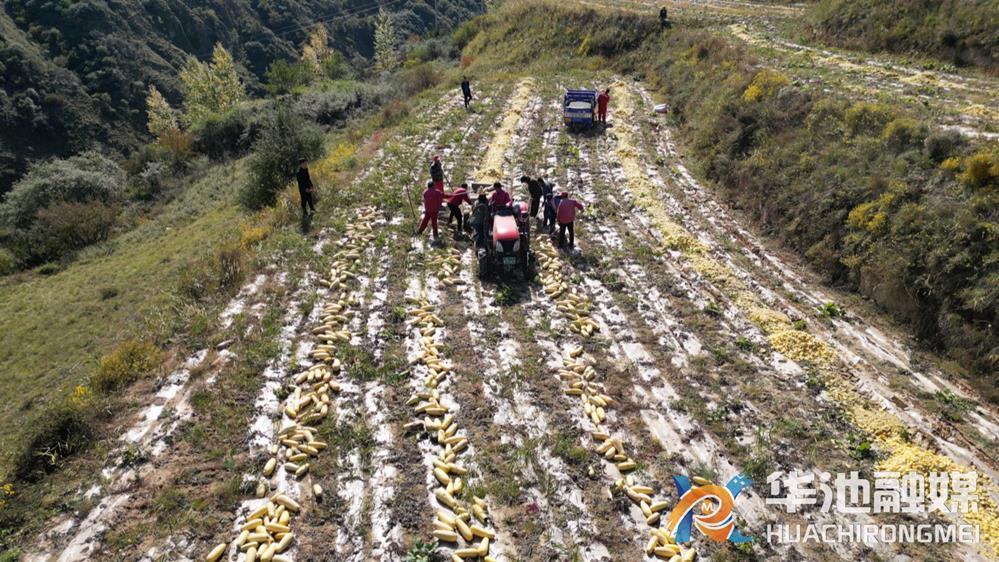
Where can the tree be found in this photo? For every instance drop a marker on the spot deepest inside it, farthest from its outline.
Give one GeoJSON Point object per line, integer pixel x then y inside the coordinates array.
{"type": "Point", "coordinates": [317, 50]}
{"type": "Point", "coordinates": [386, 52]}
{"type": "Point", "coordinates": [283, 77]}
{"type": "Point", "coordinates": [162, 118]}
{"type": "Point", "coordinates": [286, 137]}
{"type": "Point", "coordinates": [210, 88]}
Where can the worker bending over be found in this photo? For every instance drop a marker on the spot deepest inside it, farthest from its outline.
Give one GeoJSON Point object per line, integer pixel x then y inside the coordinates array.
{"type": "Point", "coordinates": [454, 201]}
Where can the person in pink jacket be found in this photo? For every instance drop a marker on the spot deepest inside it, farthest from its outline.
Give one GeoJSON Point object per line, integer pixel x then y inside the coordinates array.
{"type": "Point", "coordinates": [566, 216]}
{"type": "Point", "coordinates": [454, 201]}
{"type": "Point", "coordinates": [499, 197]}
{"type": "Point", "coordinates": [432, 200]}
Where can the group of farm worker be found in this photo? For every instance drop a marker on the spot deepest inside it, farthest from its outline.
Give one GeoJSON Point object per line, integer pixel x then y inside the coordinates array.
{"type": "Point", "coordinates": [558, 208]}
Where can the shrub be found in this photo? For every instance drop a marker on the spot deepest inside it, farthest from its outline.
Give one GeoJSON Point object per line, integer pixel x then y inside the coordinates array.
{"type": "Point", "coordinates": [333, 105]}
{"type": "Point", "coordinates": [328, 107]}
{"type": "Point", "coordinates": [429, 50]}
{"type": "Point", "coordinates": [465, 33]}
{"type": "Point", "coordinates": [229, 135]}
{"type": "Point", "coordinates": [952, 164]}
{"type": "Point", "coordinates": [981, 170]}
{"type": "Point", "coordinates": [86, 177]}
{"type": "Point", "coordinates": [219, 274]}
{"type": "Point", "coordinates": [285, 138]}
{"type": "Point", "coordinates": [64, 227]}
{"type": "Point", "coordinates": [8, 263]}
{"type": "Point", "coordinates": [231, 262]}
{"type": "Point", "coordinates": [940, 145]}
{"type": "Point", "coordinates": [62, 430]}
{"type": "Point", "coordinates": [830, 310]}
{"type": "Point", "coordinates": [151, 182]}
{"type": "Point", "coordinates": [125, 364]}
{"type": "Point", "coordinates": [903, 133]}
{"type": "Point", "coordinates": [176, 145]}
{"type": "Point", "coordinates": [866, 117]}
{"type": "Point", "coordinates": [6, 491]}
{"type": "Point", "coordinates": [419, 78]}
{"type": "Point", "coordinates": [284, 77]}
{"type": "Point", "coordinates": [393, 113]}
{"type": "Point", "coordinates": [48, 269]}
{"type": "Point", "coordinates": [765, 85]}
{"type": "Point", "coordinates": [250, 235]}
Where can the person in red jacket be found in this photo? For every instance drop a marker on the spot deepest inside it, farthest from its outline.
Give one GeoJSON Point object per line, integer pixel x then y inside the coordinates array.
{"type": "Point", "coordinates": [499, 198]}
{"type": "Point", "coordinates": [602, 100]}
{"type": "Point", "coordinates": [454, 201]}
{"type": "Point", "coordinates": [566, 216]}
{"type": "Point", "coordinates": [432, 199]}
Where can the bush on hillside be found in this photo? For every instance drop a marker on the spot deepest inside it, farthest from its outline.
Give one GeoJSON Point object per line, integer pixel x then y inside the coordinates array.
{"type": "Point", "coordinates": [62, 430]}
{"type": "Point", "coordinates": [8, 263]}
{"type": "Point", "coordinates": [427, 50]}
{"type": "Point", "coordinates": [285, 77]}
{"type": "Point", "coordinates": [416, 79]}
{"type": "Point", "coordinates": [904, 133]}
{"type": "Point", "coordinates": [285, 138]}
{"type": "Point", "coordinates": [229, 135]}
{"type": "Point", "coordinates": [981, 170]}
{"type": "Point", "coordinates": [177, 148]}
{"type": "Point", "coordinates": [333, 105]}
{"type": "Point", "coordinates": [465, 33]}
{"type": "Point", "coordinates": [64, 227]}
{"type": "Point", "coordinates": [217, 275]}
{"type": "Point", "coordinates": [124, 364]}
{"type": "Point", "coordinates": [78, 179]}
{"type": "Point", "coordinates": [867, 118]}
{"type": "Point", "coordinates": [940, 145]}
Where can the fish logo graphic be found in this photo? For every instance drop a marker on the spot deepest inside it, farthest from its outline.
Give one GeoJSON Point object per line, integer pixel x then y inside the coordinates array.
{"type": "Point", "coordinates": [715, 517]}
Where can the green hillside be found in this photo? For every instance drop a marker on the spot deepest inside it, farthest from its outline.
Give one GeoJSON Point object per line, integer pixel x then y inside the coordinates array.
{"type": "Point", "coordinates": [74, 75]}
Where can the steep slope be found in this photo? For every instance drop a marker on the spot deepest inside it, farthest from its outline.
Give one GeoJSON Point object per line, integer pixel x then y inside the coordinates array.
{"type": "Point", "coordinates": [964, 32]}
{"type": "Point", "coordinates": [76, 74]}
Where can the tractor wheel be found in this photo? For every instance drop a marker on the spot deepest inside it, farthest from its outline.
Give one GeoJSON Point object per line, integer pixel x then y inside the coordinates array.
{"type": "Point", "coordinates": [483, 266]}
{"type": "Point", "coordinates": [528, 269]}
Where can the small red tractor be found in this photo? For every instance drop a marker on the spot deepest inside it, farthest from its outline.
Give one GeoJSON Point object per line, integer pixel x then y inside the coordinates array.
{"type": "Point", "coordinates": [508, 244]}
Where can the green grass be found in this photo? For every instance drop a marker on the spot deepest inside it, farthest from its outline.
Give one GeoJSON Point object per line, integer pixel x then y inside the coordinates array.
{"type": "Point", "coordinates": [54, 328]}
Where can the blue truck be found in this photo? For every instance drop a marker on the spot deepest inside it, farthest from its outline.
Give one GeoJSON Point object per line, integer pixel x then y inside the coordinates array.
{"type": "Point", "coordinates": [579, 108]}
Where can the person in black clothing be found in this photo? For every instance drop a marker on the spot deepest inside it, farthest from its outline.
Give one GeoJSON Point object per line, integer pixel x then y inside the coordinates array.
{"type": "Point", "coordinates": [305, 187]}
{"type": "Point", "coordinates": [664, 18]}
{"type": "Point", "coordinates": [535, 190]}
{"type": "Point", "coordinates": [437, 173]}
{"type": "Point", "coordinates": [548, 214]}
{"type": "Point", "coordinates": [466, 90]}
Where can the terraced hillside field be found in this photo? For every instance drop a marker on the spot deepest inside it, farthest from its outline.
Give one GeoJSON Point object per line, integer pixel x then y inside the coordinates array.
{"type": "Point", "coordinates": [407, 404]}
